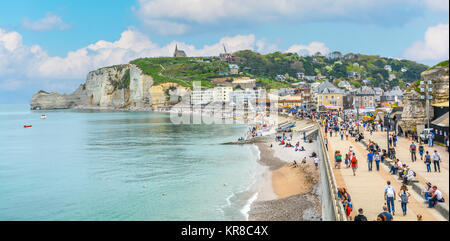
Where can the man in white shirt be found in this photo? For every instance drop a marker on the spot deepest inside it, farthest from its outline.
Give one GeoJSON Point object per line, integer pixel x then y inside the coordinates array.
{"type": "Point", "coordinates": [389, 196]}
{"type": "Point", "coordinates": [316, 162]}
{"type": "Point", "coordinates": [436, 160]}
{"type": "Point", "coordinates": [435, 197]}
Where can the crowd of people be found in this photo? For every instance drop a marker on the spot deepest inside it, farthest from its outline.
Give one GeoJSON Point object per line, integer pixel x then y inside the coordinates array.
{"type": "Point", "coordinates": [335, 126]}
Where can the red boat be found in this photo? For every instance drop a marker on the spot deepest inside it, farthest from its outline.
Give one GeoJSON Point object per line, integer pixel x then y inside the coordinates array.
{"type": "Point", "coordinates": [27, 126]}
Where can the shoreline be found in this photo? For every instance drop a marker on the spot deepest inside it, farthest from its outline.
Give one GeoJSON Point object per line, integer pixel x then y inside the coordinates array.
{"type": "Point", "coordinates": [287, 193]}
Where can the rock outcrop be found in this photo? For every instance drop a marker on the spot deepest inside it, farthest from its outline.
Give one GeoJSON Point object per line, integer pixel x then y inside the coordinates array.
{"type": "Point", "coordinates": [414, 111]}
{"type": "Point", "coordinates": [117, 87]}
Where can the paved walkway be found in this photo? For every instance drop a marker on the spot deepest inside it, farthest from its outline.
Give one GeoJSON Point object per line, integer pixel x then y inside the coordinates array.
{"type": "Point", "coordinates": [367, 188]}
{"type": "Point", "coordinates": [441, 180]}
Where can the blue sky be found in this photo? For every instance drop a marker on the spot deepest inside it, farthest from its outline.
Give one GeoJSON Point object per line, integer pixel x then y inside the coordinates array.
{"type": "Point", "coordinates": [52, 44]}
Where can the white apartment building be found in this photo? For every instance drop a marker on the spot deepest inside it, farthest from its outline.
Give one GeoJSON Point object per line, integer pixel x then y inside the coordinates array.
{"type": "Point", "coordinates": [218, 94]}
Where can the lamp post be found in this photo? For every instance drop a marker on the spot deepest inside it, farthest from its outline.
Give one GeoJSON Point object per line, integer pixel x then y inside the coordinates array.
{"type": "Point", "coordinates": [387, 136]}
{"type": "Point", "coordinates": [427, 90]}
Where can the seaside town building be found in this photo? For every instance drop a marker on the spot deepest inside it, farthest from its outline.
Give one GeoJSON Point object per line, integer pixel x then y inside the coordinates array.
{"type": "Point", "coordinates": [244, 82]}
{"type": "Point", "coordinates": [233, 69]}
{"type": "Point", "coordinates": [364, 98]}
{"type": "Point", "coordinates": [440, 123]}
{"type": "Point", "coordinates": [388, 68]}
{"type": "Point", "coordinates": [345, 85]}
{"type": "Point", "coordinates": [300, 75]}
{"type": "Point", "coordinates": [218, 94]}
{"type": "Point", "coordinates": [378, 94]}
{"type": "Point", "coordinates": [393, 96]}
{"type": "Point", "coordinates": [353, 75]}
{"type": "Point", "coordinates": [280, 77]}
{"type": "Point", "coordinates": [328, 96]}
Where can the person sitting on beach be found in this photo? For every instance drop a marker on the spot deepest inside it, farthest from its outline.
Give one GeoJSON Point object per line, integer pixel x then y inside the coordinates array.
{"type": "Point", "coordinates": [302, 149]}
{"type": "Point", "coordinates": [313, 155]}
{"type": "Point", "coordinates": [294, 164]}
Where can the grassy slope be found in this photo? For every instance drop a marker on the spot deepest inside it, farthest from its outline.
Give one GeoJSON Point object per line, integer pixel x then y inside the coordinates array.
{"type": "Point", "coordinates": [264, 68]}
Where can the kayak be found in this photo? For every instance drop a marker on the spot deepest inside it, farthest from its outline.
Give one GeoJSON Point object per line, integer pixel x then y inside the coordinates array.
{"type": "Point", "coordinates": [27, 126]}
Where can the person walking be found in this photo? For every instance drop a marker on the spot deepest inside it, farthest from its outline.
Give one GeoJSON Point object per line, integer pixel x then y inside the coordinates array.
{"type": "Point", "coordinates": [387, 215]}
{"type": "Point", "coordinates": [370, 159]}
{"type": "Point", "coordinates": [325, 142]}
{"type": "Point", "coordinates": [389, 196]}
{"type": "Point", "coordinates": [404, 198]}
{"type": "Point", "coordinates": [395, 140]}
{"type": "Point", "coordinates": [421, 150]}
{"type": "Point", "coordinates": [412, 149]}
{"type": "Point", "coordinates": [428, 161]}
{"type": "Point", "coordinates": [436, 161]}
{"type": "Point", "coordinates": [316, 162]}
{"type": "Point", "coordinates": [377, 159]}
{"type": "Point", "coordinates": [347, 161]}
{"type": "Point", "coordinates": [338, 160]}
{"type": "Point", "coordinates": [360, 217]}
{"type": "Point", "coordinates": [431, 139]}
{"type": "Point", "coordinates": [354, 163]}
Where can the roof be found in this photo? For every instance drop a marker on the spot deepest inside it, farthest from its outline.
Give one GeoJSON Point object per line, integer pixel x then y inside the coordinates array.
{"type": "Point", "coordinates": [442, 120]}
{"type": "Point", "coordinates": [443, 104]}
{"type": "Point", "coordinates": [364, 90]}
{"type": "Point", "coordinates": [327, 88]}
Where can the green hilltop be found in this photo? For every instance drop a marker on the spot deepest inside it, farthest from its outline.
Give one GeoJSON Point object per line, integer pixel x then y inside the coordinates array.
{"type": "Point", "coordinates": [265, 68]}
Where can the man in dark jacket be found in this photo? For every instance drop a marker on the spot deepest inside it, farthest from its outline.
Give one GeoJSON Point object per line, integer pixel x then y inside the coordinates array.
{"type": "Point", "coordinates": [360, 217]}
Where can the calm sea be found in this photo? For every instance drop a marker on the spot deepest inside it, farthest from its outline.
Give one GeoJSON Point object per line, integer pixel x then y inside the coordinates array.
{"type": "Point", "coordinates": [86, 165]}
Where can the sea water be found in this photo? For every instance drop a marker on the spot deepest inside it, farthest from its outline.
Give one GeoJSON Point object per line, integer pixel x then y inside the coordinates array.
{"type": "Point", "coordinates": [100, 165]}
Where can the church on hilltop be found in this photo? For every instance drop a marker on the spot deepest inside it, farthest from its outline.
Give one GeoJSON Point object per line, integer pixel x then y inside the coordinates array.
{"type": "Point", "coordinates": [178, 53]}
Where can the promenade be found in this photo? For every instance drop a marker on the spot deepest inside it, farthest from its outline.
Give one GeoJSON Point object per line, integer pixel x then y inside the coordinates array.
{"type": "Point", "coordinates": [367, 188]}
{"type": "Point", "coordinates": [441, 180]}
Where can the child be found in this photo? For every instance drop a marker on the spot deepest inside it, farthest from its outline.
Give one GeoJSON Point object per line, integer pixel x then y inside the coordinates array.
{"type": "Point", "coordinates": [421, 149]}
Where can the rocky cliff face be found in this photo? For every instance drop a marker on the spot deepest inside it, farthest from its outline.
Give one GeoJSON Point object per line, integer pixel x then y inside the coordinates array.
{"type": "Point", "coordinates": [414, 111]}
{"type": "Point", "coordinates": [118, 87]}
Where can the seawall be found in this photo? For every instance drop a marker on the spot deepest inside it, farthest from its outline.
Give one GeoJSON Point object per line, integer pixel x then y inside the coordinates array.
{"type": "Point", "coordinates": [332, 209]}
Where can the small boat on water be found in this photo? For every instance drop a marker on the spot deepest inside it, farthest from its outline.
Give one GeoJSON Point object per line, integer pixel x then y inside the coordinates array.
{"type": "Point", "coordinates": [43, 117]}
{"type": "Point", "coordinates": [27, 126]}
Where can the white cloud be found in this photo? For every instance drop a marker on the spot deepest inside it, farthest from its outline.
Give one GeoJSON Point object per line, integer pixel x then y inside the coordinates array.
{"type": "Point", "coordinates": [175, 14]}
{"type": "Point", "coordinates": [47, 23]}
{"type": "Point", "coordinates": [310, 49]}
{"type": "Point", "coordinates": [433, 47]}
{"type": "Point", "coordinates": [22, 66]}
{"type": "Point", "coordinates": [437, 5]}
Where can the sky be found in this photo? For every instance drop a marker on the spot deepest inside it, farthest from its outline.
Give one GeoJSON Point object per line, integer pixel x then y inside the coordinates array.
{"type": "Point", "coordinates": [53, 44]}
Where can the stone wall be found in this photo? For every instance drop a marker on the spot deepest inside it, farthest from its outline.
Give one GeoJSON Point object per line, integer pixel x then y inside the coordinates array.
{"type": "Point", "coordinates": [414, 111]}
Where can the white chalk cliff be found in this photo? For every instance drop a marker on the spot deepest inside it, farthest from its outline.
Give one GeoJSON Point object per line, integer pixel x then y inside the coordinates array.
{"type": "Point", "coordinates": [117, 87]}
